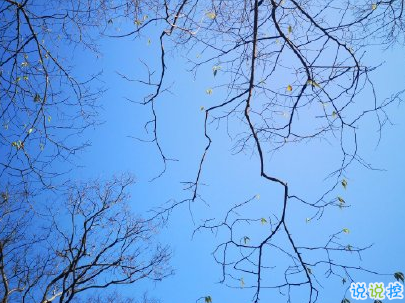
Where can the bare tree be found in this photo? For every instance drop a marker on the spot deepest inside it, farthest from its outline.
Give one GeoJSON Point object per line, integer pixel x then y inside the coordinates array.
{"type": "Point", "coordinates": [92, 242]}
{"type": "Point", "coordinates": [44, 104]}
{"type": "Point", "coordinates": [292, 72]}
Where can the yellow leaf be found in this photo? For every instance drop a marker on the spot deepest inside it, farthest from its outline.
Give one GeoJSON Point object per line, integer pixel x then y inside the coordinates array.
{"type": "Point", "coordinates": [374, 6]}
{"type": "Point", "coordinates": [289, 88]}
{"type": "Point", "coordinates": [209, 91]}
{"type": "Point", "coordinates": [346, 230]}
{"type": "Point", "coordinates": [313, 83]}
{"type": "Point", "coordinates": [211, 15]}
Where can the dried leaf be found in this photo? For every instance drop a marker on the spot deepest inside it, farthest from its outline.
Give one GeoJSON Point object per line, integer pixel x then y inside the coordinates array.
{"type": "Point", "coordinates": [344, 183]}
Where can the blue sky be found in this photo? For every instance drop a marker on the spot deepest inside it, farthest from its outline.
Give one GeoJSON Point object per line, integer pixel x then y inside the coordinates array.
{"type": "Point", "coordinates": [376, 197]}
{"type": "Point", "coordinates": [376, 211]}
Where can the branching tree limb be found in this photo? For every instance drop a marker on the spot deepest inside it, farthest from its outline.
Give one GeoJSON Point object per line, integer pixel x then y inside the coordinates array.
{"type": "Point", "coordinates": [93, 242]}
{"type": "Point", "coordinates": [293, 72]}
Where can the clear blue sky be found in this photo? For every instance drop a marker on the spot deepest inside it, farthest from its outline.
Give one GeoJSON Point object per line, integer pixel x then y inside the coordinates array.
{"type": "Point", "coordinates": [377, 209]}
